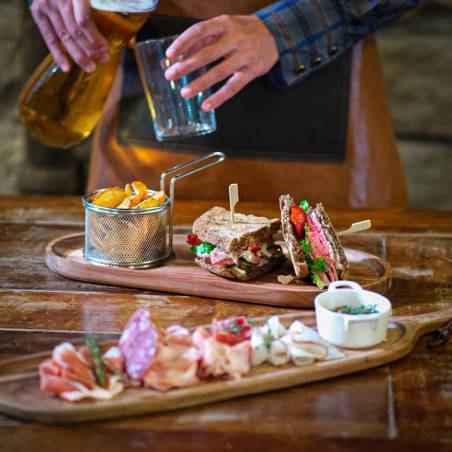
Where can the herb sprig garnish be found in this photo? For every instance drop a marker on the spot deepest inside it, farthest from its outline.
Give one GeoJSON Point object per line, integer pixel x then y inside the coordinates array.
{"type": "Point", "coordinates": [363, 309]}
{"type": "Point", "coordinates": [234, 325]}
{"type": "Point", "coordinates": [93, 346]}
{"type": "Point", "coordinates": [268, 338]}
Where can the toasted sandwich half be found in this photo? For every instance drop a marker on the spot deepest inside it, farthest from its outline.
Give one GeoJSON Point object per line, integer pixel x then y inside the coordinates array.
{"type": "Point", "coordinates": [313, 245]}
{"type": "Point", "coordinates": [242, 250]}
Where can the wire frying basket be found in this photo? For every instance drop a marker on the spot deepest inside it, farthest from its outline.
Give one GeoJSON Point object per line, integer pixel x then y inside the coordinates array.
{"type": "Point", "coordinates": [137, 238]}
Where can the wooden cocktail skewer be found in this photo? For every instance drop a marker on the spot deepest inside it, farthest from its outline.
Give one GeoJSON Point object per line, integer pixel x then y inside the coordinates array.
{"type": "Point", "coordinates": [233, 199]}
{"type": "Point", "coordinates": [357, 227]}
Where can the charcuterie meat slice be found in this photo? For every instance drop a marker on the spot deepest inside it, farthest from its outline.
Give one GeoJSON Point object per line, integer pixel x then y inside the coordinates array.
{"type": "Point", "coordinates": [138, 344]}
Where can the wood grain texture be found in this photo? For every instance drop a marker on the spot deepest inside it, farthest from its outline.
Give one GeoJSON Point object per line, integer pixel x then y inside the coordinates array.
{"type": "Point", "coordinates": [21, 397]}
{"type": "Point", "coordinates": [401, 406]}
{"type": "Point", "coordinates": [68, 210]}
{"type": "Point", "coordinates": [181, 275]}
{"type": "Point", "coordinates": [93, 311]}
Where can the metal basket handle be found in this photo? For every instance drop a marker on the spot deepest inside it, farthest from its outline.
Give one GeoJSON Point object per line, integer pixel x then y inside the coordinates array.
{"type": "Point", "coordinates": [211, 159]}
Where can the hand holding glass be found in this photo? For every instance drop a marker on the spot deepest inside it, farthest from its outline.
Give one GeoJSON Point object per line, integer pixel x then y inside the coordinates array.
{"type": "Point", "coordinates": [173, 116]}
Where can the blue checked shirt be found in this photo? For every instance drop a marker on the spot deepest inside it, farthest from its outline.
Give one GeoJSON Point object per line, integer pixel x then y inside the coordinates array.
{"type": "Point", "coordinates": [311, 33]}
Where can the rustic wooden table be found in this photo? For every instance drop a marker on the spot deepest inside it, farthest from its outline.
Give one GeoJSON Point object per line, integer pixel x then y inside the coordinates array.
{"type": "Point", "coordinates": [407, 404]}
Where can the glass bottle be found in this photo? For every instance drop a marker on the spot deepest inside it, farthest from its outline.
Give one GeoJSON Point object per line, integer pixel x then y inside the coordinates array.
{"type": "Point", "coordinates": [61, 109]}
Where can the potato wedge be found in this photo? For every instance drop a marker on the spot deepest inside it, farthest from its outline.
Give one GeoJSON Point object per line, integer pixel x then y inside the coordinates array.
{"type": "Point", "coordinates": [159, 196]}
{"type": "Point", "coordinates": [128, 190]}
{"type": "Point", "coordinates": [125, 204]}
{"type": "Point", "coordinates": [157, 199]}
{"type": "Point", "coordinates": [140, 192]}
{"type": "Point", "coordinates": [110, 197]}
{"type": "Point", "coordinates": [147, 203]}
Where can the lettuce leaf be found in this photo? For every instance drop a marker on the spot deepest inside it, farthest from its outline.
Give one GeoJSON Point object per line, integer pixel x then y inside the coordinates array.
{"type": "Point", "coordinates": [317, 280]}
{"type": "Point", "coordinates": [203, 248]}
{"type": "Point", "coordinates": [305, 243]}
{"type": "Point", "coordinates": [317, 265]}
{"type": "Point", "coordinates": [304, 205]}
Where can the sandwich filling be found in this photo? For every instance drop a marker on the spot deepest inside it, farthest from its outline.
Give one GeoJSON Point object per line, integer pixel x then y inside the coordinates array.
{"type": "Point", "coordinates": [256, 255]}
{"type": "Point", "coordinates": [317, 249]}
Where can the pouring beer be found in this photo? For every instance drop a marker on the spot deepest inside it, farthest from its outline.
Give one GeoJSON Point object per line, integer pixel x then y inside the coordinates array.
{"type": "Point", "coordinates": [61, 109]}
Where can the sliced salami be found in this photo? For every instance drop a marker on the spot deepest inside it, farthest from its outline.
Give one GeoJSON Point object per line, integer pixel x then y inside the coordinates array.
{"type": "Point", "coordinates": [138, 344]}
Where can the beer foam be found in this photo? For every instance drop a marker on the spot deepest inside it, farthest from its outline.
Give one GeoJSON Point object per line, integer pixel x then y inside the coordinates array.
{"type": "Point", "coordinates": [125, 6]}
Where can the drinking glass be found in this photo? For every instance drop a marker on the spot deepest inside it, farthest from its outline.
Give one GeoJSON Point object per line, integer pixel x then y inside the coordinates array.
{"type": "Point", "coordinates": [173, 116]}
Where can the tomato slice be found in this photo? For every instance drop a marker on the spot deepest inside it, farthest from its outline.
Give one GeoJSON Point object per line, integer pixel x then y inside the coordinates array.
{"type": "Point", "coordinates": [193, 239]}
{"type": "Point", "coordinates": [298, 220]}
{"type": "Point", "coordinates": [231, 331]}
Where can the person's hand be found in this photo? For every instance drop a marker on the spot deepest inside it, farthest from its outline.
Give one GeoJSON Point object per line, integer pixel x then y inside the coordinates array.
{"type": "Point", "coordinates": [244, 43]}
{"type": "Point", "coordinates": [68, 23]}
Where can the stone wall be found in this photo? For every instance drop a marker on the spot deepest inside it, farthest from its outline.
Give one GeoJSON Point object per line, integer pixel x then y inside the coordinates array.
{"type": "Point", "coordinates": [417, 61]}
{"type": "Point", "coordinates": [12, 138]}
{"type": "Point", "coordinates": [417, 57]}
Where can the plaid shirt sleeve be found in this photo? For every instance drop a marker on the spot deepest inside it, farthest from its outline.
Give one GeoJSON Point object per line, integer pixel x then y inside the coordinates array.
{"type": "Point", "coordinates": [311, 33]}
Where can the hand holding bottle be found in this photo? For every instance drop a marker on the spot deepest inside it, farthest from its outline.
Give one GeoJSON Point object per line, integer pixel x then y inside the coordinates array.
{"type": "Point", "coordinates": [60, 109]}
{"type": "Point", "coordinates": [68, 25]}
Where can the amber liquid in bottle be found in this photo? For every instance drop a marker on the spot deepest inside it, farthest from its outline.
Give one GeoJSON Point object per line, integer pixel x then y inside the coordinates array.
{"type": "Point", "coordinates": [61, 109]}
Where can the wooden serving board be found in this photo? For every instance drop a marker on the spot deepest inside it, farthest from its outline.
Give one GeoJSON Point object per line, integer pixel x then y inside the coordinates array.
{"type": "Point", "coordinates": [20, 395]}
{"type": "Point", "coordinates": [181, 275]}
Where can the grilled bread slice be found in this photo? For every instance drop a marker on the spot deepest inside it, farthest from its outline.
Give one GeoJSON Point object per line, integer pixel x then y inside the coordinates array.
{"type": "Point", "coordinates": [296, 253]}
{"type": "Point", "coordinates": [215, 226]}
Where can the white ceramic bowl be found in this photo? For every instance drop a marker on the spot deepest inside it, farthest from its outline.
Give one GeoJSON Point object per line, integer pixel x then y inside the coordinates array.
{"type": "Point", "coordinates": [349, 330]}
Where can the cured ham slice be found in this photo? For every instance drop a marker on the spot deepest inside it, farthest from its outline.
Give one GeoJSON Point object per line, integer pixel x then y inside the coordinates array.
{"type": "Point", "coordinates": [219, 359]}
{"type": "Point", "coordinates": [321, 248]}
{"type": "Point", "coordinates": [97, 393]}
{"type": "Point", "coordinates": [211, 353]}
{"type": "Point", "coordinates": [114, 359]}
{"type": "Point", "coordinates": [238, 359]}
{"type": "Point", "coordinates": [176, 358]}
{"type": "Point", "coordinates": [73, 365]}
{"type": "Point", "coordinates": [178, 335]}
{"type": "Point", "coordinates": [177, 373]}
{"type": "Point", "coordinates": [52, 381]}
{"type": "Point", "coordinates": [176, 362]}
{"type": "Point", "coordinates": [66, 383]}
{"type": "Point", "coordinates": [138, 344]}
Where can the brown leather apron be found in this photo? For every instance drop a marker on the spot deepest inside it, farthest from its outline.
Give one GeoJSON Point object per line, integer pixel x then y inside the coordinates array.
{"type": "Point", "coordinates": [370, 175]}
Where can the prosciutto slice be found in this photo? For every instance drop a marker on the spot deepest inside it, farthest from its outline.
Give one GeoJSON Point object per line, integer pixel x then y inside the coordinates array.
{"type": "Point", "coordinates": [176, 362]}
{"type": "Point", "coordinates": [73, 366]}
{"type": "Point", "coordinates": [52, 381]}
{"type": "Point", "coordinates": [69, 375]}
{"type": "Point", "coordinates": [114, 358]}
{"type": "Point", "coordinates": [218, 359]}
{"type": "Point", "coordinates": [115, 386]}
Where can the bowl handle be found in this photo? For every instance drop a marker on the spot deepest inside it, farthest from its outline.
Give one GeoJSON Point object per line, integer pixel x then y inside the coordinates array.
{"type": "Point", "coordinates": [348, 320]}
{"type": "Point", "coordinates": [345, 284]}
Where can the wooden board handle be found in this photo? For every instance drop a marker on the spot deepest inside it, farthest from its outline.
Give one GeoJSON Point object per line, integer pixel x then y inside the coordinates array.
{"type": "Point", "coordinates": [425, 323]}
